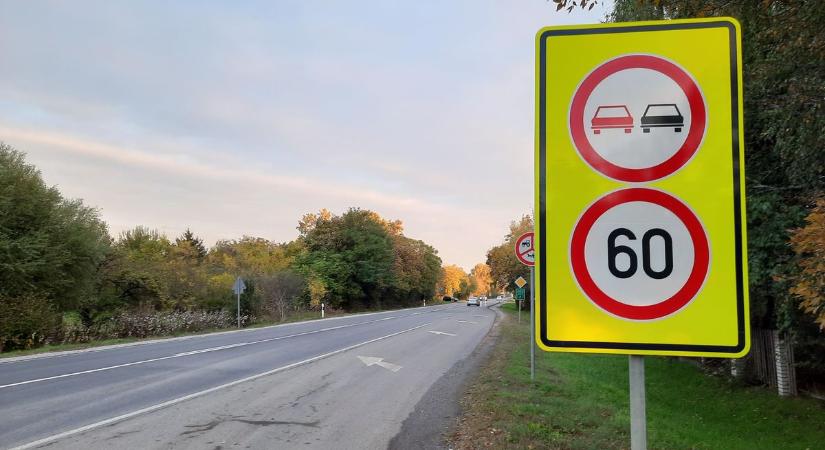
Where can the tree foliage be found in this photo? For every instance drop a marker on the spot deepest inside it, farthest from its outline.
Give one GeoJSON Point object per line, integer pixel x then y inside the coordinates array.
{"type": "Point", "coordinates": [49, 246]}
{"type": "Point", "coordinates": [504, 266]}
{"type": "Point", "coordinates": [360, 260]}
{"type": "Point", "coordinates": [809, 244]}
{"type": "Point", "coordinates": [450, 281]}
{"type": "Point", "coordinates": [482, 278]}
{"type": "Point", "coordinates": [784, 95]}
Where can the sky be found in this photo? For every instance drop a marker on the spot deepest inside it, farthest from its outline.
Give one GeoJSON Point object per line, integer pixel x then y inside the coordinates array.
{"type": "Point", "coordinates": [236, 118]}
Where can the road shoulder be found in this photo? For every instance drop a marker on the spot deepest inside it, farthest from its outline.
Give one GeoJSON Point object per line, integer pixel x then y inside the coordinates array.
{"type": "Point", "coordinates": [436, 415]}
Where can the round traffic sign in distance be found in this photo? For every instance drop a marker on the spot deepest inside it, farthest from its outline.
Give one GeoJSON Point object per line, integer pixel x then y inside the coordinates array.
{"type": "Point", "coordinates": [525, 249]}
{"type": "Point", "coordinates": [639, 269]}
{"type": "Point", "coordinates": [637, 118]}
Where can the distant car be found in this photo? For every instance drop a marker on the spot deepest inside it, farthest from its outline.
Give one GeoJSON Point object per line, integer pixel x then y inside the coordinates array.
{"type": "Point", "coordinates": [447, 299]}
{"type": "Point", "coordinates": [611, 116]}
{"type": "Point", "coordinates": [473, 301]}
{"type": "Point", "coordinates": [662, 115]}
{"type": "Point", "coordinates": [499, 297]}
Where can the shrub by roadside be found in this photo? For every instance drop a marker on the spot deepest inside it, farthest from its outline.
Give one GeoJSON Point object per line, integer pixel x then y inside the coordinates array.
{"type": "Point", "coordinates": [19, 332]}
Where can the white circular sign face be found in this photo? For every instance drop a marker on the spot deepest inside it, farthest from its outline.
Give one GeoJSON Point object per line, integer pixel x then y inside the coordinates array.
{"type": "Point", "coordinates": [525, 251]}
{"type": "Point", "coordinates": [615, 253]}
{"type": "Point", "coordinates": [639, 254]}
{"type": "Point", "coordinates": [637, 118]}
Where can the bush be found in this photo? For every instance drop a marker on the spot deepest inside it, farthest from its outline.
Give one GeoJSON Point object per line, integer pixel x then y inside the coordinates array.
{"type": "Point", "coordinates": [147, 324]}
{"type": "Point", "coordinates": [27, 321]}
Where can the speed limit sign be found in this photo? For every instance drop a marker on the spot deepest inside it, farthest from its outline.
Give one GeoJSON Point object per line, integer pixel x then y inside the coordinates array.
{"type": "Point", "coordinates": [640, 233]}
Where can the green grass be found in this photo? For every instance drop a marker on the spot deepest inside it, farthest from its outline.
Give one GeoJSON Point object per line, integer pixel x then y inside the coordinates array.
{"type": "Point", "coordinates": [581, 401]}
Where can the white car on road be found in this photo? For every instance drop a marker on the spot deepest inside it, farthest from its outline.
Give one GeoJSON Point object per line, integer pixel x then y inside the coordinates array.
{"type": "Point", "coordinates": [473, 301]}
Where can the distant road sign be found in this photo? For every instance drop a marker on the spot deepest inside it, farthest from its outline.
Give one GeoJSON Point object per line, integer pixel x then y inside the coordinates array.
{"type": "Point", "coordinates": [239, 286]}
{"type": "Point", "coordinates": [520, 294]}
{"type": "Point", "coordinates": [640, 215]}
{"type": "Point", "coordinates": [520, 282]}
{"type": "Point", "coordinates": [525, 251]}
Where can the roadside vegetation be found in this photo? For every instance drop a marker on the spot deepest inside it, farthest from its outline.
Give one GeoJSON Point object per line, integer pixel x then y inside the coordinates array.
{"type": "Point", "coordinates": [580, 401]}
{"type": "Point", "coordinates": [65, 280]}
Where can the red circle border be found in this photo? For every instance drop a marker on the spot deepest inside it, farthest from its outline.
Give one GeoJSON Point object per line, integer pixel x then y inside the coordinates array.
{"type": "Point", "coordinates": [669, 306]}
{"type": "Point", "coordinates": [518, 255]}
{"type": "Point", "coordinates": [663, 169]}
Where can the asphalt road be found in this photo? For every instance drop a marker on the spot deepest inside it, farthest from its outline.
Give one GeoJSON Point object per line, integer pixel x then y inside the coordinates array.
{"type": "Point", "coordinates": [344, 383]}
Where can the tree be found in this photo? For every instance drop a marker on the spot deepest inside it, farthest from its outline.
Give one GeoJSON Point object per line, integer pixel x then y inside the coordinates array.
{"type": "Point", "coordinates": [280, 291]}
{"type": "Point", "coordinates": [784, 95]}
{"type": "Point", "coordinates": [570, 5]}
{"type": "Point", "coordinates": [188, 239]}
{"type": "Point", "coordinates": [49, 246]}
{"type": "Point", "coordinates": [809, 244]}
{"type": "Point", "coordinates": [451, 279]}
{"type": "Point", "coordinates": [482, 278]}
{"type": "Point", "coordinates": [352, 255]}
{"type": "Point", "coordinates": [504, 266]}
{"type": "Point", "coordinates": [416, 268]}
{"type": "Point", "coordinates": [310, 220]}
{"type": "Point", "coordinates": [135, 274]}
{"type": "Point", "coordinates": [250, 256]}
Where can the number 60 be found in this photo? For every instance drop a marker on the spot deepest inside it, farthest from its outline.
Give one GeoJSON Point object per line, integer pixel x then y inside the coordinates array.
{"type": "Point", "coordinates": [614, 250]}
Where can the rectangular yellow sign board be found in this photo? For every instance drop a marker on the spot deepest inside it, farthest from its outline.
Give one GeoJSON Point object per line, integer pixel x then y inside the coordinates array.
{"type": "Point", "coordinates": [640, 231]}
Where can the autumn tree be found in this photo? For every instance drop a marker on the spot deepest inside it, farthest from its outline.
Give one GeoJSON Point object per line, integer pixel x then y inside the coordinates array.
{"type": "Point", "coordinates": [809, 244]}
{"type": "Point", "coordinates": [451, 279]}
{"type": "Point", "coordinates": [504, 266]}
{"type": "Point", "coordinates": [482, 279]}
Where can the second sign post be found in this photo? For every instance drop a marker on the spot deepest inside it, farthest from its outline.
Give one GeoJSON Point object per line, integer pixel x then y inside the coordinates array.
{"type": "Point", "coordinates": [526, 253]}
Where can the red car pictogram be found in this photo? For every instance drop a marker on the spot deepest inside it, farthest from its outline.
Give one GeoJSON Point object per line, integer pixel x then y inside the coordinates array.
{"type": "Point", "coordinates": [612, 116]}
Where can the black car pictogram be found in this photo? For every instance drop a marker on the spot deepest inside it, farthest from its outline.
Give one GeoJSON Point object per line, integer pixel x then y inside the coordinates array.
{"type": "Point", "coordinates": [660, 115]}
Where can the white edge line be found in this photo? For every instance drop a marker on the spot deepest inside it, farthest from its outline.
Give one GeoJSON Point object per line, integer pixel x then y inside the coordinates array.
{"type": "Point", "coordinates": [102, 348]}
{"type": "Point", "coordinates": [201, 393]}
{"type": "Point", "coordinates": [190, 353]}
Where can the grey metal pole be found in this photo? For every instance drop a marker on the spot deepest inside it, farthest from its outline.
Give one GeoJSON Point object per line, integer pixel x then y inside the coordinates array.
{"type": "Point", "coordinates": [638, 418]}
{"type": "Point", "coordinates": [239, 308]}
{"type": "Point", "coordinates": [532, 325]}
{"type": "Point", "coordinates": [519, 310]}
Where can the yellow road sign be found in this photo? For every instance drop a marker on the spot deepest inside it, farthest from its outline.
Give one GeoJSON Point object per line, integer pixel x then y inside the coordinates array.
{"type": "Point", "coordinates": [640, 236]}
{"type": "Point", "coordinates": [520, 282]}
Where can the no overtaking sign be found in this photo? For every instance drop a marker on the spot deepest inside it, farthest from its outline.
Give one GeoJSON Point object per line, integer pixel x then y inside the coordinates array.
{"type": "Point", "coordinates": [640, 244]}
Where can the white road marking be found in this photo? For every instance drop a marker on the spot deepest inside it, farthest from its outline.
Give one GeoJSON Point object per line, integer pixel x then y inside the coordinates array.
{"type": "Point", "coordinates": [194, 352]}
{"type": "Point", "coordinates": [59, 354]}
{"type": "Point", "coordinates": [466, 321]}
{"type": "Point", "coordinates": [441, 332]}
{"type": "Point", "coordinates": [374, 361]}
{"type": "Point", "coordinates": [479, 315]}
{"type": "Point", "coordinates": [122, 417]}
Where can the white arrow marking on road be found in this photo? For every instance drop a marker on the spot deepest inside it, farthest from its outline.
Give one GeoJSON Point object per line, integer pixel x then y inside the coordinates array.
{"type": "Point", "coordinates": [441, 332]}
{"type": "Point", "coordinates": [466, 321]}
{"type": "Point", "coordinates": [373, 361]}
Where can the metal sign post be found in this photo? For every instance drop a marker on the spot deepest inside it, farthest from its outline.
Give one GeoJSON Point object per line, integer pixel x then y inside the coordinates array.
{"type": "Point", "coordinates": [238, 288]}
{"type": "Point", "coordinates": [532, 325]}
{"type": "Point", "coordinates": [526, 254]}
{"type": "Point", "coordinates": [638, 418]}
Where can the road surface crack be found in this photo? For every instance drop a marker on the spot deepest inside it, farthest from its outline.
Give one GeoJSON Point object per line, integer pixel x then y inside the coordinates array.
{"type": "Point", "coordinates": [204, 427]}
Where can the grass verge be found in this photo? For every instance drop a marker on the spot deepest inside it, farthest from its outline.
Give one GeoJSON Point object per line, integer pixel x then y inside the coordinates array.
{"type": "Point", "coordinates": [581, 402]}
